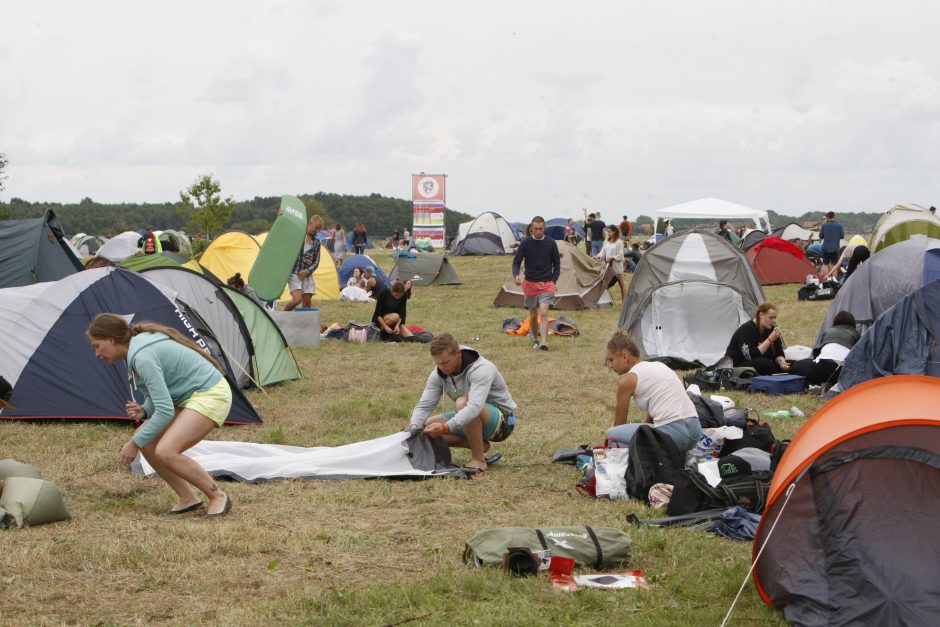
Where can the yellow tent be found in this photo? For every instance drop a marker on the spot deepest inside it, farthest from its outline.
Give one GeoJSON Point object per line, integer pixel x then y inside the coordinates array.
{"type": "Point", "coordinates": [325, 276]}
{"type": "Point", "coordinates": [236, 251]}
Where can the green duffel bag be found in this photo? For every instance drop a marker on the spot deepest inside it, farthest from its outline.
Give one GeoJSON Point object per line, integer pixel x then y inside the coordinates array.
{"type": "Point", "coordinates": [30, 501]}
{"type": "Point", "coordinates": [13, 468]}
{"type": "Point", "coordinates": [596, 547]}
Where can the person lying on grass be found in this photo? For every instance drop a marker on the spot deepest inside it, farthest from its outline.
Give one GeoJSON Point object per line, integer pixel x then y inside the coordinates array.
{"type": "Point", "coordinates": [185, 397]}
{"type": "Point", "coordinates": [485, 411]}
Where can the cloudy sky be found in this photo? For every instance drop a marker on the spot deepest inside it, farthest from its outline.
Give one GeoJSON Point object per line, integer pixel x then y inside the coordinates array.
{"type": "Point", "coordinates": [528, 106]}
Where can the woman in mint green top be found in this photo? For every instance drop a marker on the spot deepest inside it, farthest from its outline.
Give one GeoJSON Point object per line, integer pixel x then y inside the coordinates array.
{"type": "Point", "coordinates": [185, 397]}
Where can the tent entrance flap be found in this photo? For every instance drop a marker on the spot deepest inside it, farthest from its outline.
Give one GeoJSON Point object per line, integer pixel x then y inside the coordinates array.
{"type": "Point", "coordinates": [692, 333]}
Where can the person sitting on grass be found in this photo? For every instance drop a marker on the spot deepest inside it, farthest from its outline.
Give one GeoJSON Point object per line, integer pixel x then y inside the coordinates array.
{"type": "Point", "coordinates": [657, 390]}
{"type": "Point", "coordinates": [391, 309]}
{"type": "Point", "coordinates": [757, 343]}
{"type": "Point", "coordinates": [185, 397]}
{"type": "Point", "coordinates": [485, 411]}
{"type": "Point", "coordinates": [837, 341]}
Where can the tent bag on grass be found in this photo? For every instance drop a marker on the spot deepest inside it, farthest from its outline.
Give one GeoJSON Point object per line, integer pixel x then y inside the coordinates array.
{"type": "Point", "coordinates": [30, 501]}
{"type": "Point", "coordinates": [595, 547]}
{"type": "Point", "coordinates": [13, 468]}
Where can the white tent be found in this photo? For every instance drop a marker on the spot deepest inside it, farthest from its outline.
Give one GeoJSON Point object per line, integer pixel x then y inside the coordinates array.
{"type": "Point", "coordinates": [120, 247]}
{"type": "Point", "coordinates": [714, 208]}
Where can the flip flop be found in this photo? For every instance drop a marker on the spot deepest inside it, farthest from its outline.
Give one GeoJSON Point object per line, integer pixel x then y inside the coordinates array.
{"type": "Point", "coordinates": [473, 470]}
{"type": "Point", "coordinates": [492, 459]}
{"type": "Point", "coordinates": [187, 509]}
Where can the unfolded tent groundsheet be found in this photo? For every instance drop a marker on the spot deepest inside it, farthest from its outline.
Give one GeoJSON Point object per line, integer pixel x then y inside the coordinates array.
{"type": "Point", "coordinates": [400, 455]}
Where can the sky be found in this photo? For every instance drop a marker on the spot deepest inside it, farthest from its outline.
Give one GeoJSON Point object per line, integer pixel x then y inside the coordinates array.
{"type": "Point", "coordinates": [529, 107]}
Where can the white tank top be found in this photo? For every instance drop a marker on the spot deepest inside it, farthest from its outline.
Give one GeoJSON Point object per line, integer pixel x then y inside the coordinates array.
{"type": "Point", "coordinates": [660, 393]}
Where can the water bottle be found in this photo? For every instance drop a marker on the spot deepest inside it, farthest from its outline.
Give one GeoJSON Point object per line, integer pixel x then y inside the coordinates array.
{"type": "Point", "coordinates": [796, 411]}
{"type": "Point", "coordinates": [783, 413]}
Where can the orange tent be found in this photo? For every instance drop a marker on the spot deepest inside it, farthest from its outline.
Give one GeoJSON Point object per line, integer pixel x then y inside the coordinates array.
{"type": "Point", "coordinates": [848, 534]}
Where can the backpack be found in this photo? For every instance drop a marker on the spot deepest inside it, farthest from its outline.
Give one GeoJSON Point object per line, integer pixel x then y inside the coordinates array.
{"type": "Point", "coordinates": [654, 458]}
{"type": "Point", "coordinates": [756, 435]}
{"type": "Point", "coordinates": [595, 547]}
{"type": "Point", "coordinates": [692, 493]}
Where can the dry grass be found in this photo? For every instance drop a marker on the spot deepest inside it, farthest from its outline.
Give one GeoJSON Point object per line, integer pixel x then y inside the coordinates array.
{"type": "Point", "coordinates": [371, 552]}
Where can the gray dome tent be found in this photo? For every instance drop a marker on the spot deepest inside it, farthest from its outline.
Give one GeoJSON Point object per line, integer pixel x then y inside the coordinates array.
{"type": "Point", "coordinates": [424, 269]}
{"type": "Point", "coordinates": [887, 277]}
{"type": "Point", "coordinates": [689, 293]}
{"type": "Point", "coordinates": [487, 234]}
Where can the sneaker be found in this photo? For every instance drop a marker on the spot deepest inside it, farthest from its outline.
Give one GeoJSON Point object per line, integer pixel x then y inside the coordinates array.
{"type": "Point", "coordinates": [543, 347]}
{"type": "Point", "coordinates": [535, 345]}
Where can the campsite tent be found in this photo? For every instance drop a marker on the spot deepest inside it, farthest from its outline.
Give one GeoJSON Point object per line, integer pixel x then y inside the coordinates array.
{"type": "Point", "coordinates": [905, 339]}
{"type": "Point", "coordinates": [751, 238]}
{"type": "Point", "coordinates": [236, 251]}
{"type": "Point", "coordinates": [165, 259]}
{"type": "Point", "coordinates": [689, 294]}
{"type": "Point", "coordinates": [230, 252]}
{"type": "Point", "coordinates": [53, 368]}
{"type": "Point", "coordinates": [794, 231]}
{"type": "Point", "coordinates": [582, 283]}
{"type": "Point", "coordinates": [555, 228]}
{"type": "Point", "coordinates": [902, 222]}
{"type": "Point", "coordinates": [488, 234]}
{"type": "Point", "coordinates": [120, 247]}
{"type": "Point", "coordinates": [35, 250]}
{"type": "Point", "coordinates": [847, 536]}
{"type": "Point", "coordinates": [714, 208]}
{"type": "Point", "coordinates": [778, 261]}
{"type": "Point", "coordinates": [174, 241]}
{"type": "Point", "coordinates": [88, 244]}
{"type": "Point", "coordinates": [361, 261]}
{"type": "Point", "coordinates": [247, 335]}
{"type": "Point", "coordinates": [883, 280]}
{"type": "Point", "coordinates": [424, 269]}
{"type": "Point", "coordinates": [325, 277]}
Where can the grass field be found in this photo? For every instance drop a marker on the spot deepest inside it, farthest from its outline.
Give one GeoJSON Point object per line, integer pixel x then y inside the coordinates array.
{"type": "Point", "coordinates": [374, 552]}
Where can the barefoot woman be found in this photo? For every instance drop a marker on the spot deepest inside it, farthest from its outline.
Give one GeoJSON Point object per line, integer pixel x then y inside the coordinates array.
{"type": "Point", "coordinates": [185, 397]}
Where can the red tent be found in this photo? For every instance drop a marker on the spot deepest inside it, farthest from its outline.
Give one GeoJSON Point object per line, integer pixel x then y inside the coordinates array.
{"type": "Point", "coordinates": [778, 261]}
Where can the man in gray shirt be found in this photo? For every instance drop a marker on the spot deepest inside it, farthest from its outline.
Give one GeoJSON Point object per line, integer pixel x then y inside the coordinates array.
{"type": "Point", "coordinates": [485, 409]}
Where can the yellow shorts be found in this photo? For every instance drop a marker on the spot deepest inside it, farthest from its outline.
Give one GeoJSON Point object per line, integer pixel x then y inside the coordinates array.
{"type": "Point", "coordinates": [213, 403]}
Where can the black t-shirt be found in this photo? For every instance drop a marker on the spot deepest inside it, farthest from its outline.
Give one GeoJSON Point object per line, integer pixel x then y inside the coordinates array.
{"type": "Point", "coordinates": [386, 303]}
{"type": "Point", "coordinates": [743, 344]}
{"type": "Point", "coordinates": [597, 230]}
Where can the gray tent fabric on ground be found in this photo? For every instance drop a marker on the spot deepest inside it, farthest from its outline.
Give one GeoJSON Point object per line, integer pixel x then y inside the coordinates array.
{"type": "Point", "coordinates": [35, 251]}
{"type": "Point", "coordinates": [400, 455]}
{"type": "Point", "coordinates": [688, 295]}
{"type": "Point", "coordinates": [424, 269]}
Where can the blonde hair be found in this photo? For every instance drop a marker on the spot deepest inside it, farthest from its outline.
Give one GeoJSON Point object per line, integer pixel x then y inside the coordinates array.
{"type": "Point", "coordinates": [444, 343]}
{"type": "Point", "coordinates": [111, 326]}
{"type": "Point", "coordinates": [622, 342]}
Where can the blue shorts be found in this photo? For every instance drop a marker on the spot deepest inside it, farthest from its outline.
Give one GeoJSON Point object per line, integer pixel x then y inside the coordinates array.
{"type": "Point", "coordinates": [497, 427]}
{"type": "Point", "coordinates": [830, 258]}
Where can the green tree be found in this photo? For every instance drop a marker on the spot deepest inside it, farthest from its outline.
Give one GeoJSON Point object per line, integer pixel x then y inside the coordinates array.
{"type": "Point", "coordinates": [203, 205]}
{"type": "Point", "coordinates": [3, 166]}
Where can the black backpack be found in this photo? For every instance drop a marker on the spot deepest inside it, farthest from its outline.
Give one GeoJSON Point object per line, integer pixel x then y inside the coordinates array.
{"type": "Point", "coordinates": [692, 493]}
{"type": "Point", "coordinates": [710, 413]}
{"type": "Point", "coordinates": [654, 458]}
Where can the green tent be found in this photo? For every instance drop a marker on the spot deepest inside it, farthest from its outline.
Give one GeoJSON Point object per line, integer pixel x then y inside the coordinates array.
{"type": "Point", "coordinates": [424, 269]}
{"type": "Point", "coordinates": [901, 223]}
{"type": "Point", "coordinates": [166, 259]}
{"type": "Point", "coordinates": [273, 358]}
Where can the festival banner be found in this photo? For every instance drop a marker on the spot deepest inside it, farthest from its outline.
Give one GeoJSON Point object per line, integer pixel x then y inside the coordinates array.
{"type": "Point", "coordinates": [428, 204]}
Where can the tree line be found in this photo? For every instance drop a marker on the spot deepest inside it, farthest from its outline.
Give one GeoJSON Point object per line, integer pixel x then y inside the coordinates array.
{"type": "Point", "coordinates": [379, 214]}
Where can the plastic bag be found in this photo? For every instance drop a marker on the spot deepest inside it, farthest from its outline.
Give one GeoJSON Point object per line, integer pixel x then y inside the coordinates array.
{"type": "Point", "coordinates": [610, 468]}
{"type": "Point", "coordinates": [709, 444]}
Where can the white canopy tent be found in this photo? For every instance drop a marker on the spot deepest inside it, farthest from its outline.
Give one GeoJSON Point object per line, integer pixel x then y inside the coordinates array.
{"type": "Point", "coordinates": [714, 208]}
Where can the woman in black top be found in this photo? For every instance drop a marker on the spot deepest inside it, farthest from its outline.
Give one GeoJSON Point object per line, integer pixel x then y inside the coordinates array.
{"type": "Point", "coordinates": [359, 238]}
{"type": "Point", "coordinates": [391, 309]}
{"type": "Point", "coordinates": [757, 343]}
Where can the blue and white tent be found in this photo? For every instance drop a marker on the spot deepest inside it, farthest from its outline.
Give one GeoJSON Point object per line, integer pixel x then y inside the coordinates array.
{"type": "Point", "coordinates": [360, 261]}
{"type": "Point", "coordinates": [50, 362]}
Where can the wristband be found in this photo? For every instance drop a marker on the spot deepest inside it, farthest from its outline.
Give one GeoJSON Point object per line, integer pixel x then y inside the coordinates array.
{"type": "Point", "coordinates": [445, 428]}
